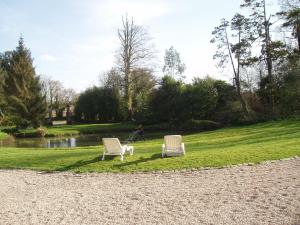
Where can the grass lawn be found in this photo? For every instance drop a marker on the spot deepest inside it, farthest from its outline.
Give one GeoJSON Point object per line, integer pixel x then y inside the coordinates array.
{"type": "Point", "coordinates": [2, 135]}
{"type": "Point", "coordinates": [228, 146]}
{"type": "Point", "coordinates": [63, 130]}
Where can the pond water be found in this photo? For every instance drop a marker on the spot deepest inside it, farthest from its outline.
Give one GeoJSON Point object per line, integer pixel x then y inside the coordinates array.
{"type": "Point", "coordinates": [60, 142]}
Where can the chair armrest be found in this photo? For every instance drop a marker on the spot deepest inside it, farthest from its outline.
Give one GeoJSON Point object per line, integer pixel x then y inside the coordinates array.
{"type": "Point", "coordinates": [124, 148]}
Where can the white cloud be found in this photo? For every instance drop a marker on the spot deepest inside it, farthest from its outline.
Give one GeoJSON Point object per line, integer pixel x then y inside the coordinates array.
{"type": "Point", "coordinates": [48, 58]}
{"type": "Point", "coordinates": [108, 13]}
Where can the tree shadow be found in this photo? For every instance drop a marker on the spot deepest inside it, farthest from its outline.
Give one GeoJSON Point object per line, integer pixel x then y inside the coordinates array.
{"type": "Point", "coordinates": [78, 164]}
{"type": "Point", "coordinates": [81, 163]}
{"type": "Point", "coordinates": [141, 160]}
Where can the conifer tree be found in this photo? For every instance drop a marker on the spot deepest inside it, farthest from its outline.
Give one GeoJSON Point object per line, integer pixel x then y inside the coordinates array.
{"type": "Point", "coordinates": [22, 88]}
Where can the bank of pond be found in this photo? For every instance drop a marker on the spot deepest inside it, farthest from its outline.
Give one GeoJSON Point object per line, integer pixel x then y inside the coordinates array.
{"type": "Point", "coordinates": [73, 141]}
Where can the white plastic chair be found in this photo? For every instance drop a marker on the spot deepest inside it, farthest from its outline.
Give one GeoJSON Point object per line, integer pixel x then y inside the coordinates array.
{"type": "Point", "coordinates": [173, 146]}
{"type": "Point", "coordinates": [112, 146]}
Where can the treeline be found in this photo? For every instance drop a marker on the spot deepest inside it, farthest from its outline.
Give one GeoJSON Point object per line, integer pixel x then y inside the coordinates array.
{"type": "Point", "coordinates": [265, 67]}
{"type": "Point", "coordinates": [27, 99]}
{"type": "Point", "coordinates": [265, 74]}
{"type": "Point", "coordinates": [261, 49]}
{"type": "Point", "coordinates": [169, 101]}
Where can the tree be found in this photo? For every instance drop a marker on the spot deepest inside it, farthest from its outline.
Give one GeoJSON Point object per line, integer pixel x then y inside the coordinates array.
{"type": "Point", "coordinates": [288, 93]}
{"type": "Point", "coordinates": [200, 99]}
{"type": "Point", "coordinates": [144, 82]}
{"type": "Point", "coordinates": [2, 96]}
{"type": "Point", "coordinates": [166, 102]}
{"type": "Point", "coordinates": [135, 52]}
{"type": "Point", "coordinates": [98, 104]}
{"type": "Point", "coordinates": [22, 88]}
{"type": "Point", "coordinates": [173, 64]}
{"type": "Point", "coordinates": [237, 52]}
{"type": "Point", "coordinates": [57, 97]}
{"type": "Point", "coordinates": [225, 110]}
{"type": "Point", "coordinates": [111, 79]}
{"type": "Point", "coordinates": [292, 20]}
{"type": "Point", "coordinates": [270, 50]}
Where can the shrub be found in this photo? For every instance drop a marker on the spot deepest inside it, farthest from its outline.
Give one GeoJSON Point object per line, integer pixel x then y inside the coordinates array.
{"type": "Point", "coordinates": [200, 125]}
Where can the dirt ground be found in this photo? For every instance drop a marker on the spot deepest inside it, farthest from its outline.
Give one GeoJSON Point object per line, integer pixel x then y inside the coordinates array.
{"type": "Point", "coordinates": [268, 193]}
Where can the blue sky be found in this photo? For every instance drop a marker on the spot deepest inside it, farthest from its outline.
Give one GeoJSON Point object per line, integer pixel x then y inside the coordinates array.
{"type": "Point", "coordinates": [74, 41]}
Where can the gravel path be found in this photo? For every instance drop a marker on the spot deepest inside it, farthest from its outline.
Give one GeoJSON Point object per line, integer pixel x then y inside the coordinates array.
{"type": "Point", "coordinates": [268, 193]}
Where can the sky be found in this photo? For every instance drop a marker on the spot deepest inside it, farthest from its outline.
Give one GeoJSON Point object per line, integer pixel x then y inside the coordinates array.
{"type": "Point", "coordinates": [75, 41]}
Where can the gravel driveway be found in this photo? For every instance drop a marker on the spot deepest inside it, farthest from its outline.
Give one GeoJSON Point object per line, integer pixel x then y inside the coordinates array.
{"type": "Point", "coordinates": [267, 193]}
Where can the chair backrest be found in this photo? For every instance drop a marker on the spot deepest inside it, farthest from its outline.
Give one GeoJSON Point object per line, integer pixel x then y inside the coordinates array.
{"type": "Point", "coordinates": [112, 145]}
{"type": "Point", "coordinates": [173, 142]}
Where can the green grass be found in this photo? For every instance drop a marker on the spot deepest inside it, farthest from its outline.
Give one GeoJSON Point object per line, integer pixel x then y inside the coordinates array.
{"type": "Point", "coordinates": [3, 135]}
{"type": "Point", "coordinates": [70, 130]}
{"type": "Point", "coordinates": [228, 146]}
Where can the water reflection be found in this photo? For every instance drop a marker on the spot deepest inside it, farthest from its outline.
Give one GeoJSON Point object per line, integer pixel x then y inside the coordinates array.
{"type": "Point", "coordinates": [59, 142]}
{"type": "Point", "coordinates": [70, 142]}
{"type": "Point", "coordinates": [53, 142]}
{"type": "Point", "coordinates": [62, 143]}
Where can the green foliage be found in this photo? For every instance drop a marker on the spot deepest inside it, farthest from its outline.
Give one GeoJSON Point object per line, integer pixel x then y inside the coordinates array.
{"type": "Point", "coordinates": [229, 146]}
{"type": "Point", "coordinates": [24, 101]}
{"type": "Point", "coordinates": [144, 82]}
{"type": "Point", "coordinates": [199, 125]}
{"type": "Point", "coordinates": [98, 104]}
{"type": "Point", "coordinates": [227, 110]}
{"type": "Point", "coordinates": [292, 20]}
{"type": "Point", "coordinates": [176, 102]}
{"type": "Point", "coordinates": [200, 99]}
{"type": "Point", "coordinates": [166, 103]}
{"type": "Point", "coordinates": [288, 94]}
{"type": "Point", "coordinates": [3, 135]}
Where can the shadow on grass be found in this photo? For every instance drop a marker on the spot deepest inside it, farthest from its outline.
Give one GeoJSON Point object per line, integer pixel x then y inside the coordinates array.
{"type": "Point", "coordinates": [141, 160]}
{"type": "Point", "coordinates": [78, 164]}
{"type": "Point", "coordinates": [82, 163]}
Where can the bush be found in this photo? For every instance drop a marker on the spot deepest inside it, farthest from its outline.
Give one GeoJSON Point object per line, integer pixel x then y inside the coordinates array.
{"type": "Point", "coordinates": [190, 125]}
{"type": "Point", "coordinates": [200, 125]}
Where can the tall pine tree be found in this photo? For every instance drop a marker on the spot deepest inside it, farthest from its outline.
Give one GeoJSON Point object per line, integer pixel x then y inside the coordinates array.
{"type": "Point", "coordinates": [22, 88]}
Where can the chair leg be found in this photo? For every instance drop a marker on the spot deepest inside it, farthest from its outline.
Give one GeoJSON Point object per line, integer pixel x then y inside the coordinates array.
{"type": "Point", "coordinates": [103, 156]}
{"type": "Point", "coordinates": [122, 157]}
{"type": "Point", "coordinates": [163, 151]}
{"type": "Point", "coordinates": [131, 151]}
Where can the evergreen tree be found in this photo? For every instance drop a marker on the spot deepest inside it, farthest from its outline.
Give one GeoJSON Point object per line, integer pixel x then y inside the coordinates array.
{"type": "Point", "coordinates": [2, 105]}
{"type": "Point", "coordinates": [234, 46]}
{"type": "Point", "coordinates": [22, 88]}
{"type": "Point", "coordinates": [292, 20]}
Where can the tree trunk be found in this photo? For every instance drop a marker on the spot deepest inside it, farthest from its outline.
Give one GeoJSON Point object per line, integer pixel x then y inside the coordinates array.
{"type": "Point", "coordinates": [69, 115]}
{"type": "Point", "coordinates": [237, 75]}
{"type": "Point", "coordinates": [240, 97]}
{"type": "Point", "coordinates": [269, 63]}
{"type": "Point", "coordinates": [298, 33]}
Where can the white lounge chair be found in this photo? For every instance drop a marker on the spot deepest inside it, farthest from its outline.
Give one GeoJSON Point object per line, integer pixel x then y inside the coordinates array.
{"type": "Point", "coordinates": [112, 146]}
{"type": "Point", "coordinates": [173, 146]}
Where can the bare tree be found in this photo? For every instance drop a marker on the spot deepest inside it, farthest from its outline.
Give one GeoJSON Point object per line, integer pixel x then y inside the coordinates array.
{"type": "Point", "coordinates": [135, 52]}
{"type": "Point", "coordinates": [111, 79]}
{"type": "Point", "coordinates": [57, 97]}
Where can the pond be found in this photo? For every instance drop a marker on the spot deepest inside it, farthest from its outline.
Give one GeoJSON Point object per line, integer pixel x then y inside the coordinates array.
{"type": "Point", "coordinates": [67, 142]}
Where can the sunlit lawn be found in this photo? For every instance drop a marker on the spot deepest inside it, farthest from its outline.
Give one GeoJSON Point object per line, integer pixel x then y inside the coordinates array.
{"type": "Point", "coordinates": [63, 130]}
{"type": "Point", "coordinates": [2, 135]}
{"type": "Point", "coordinates": [229, 146]}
